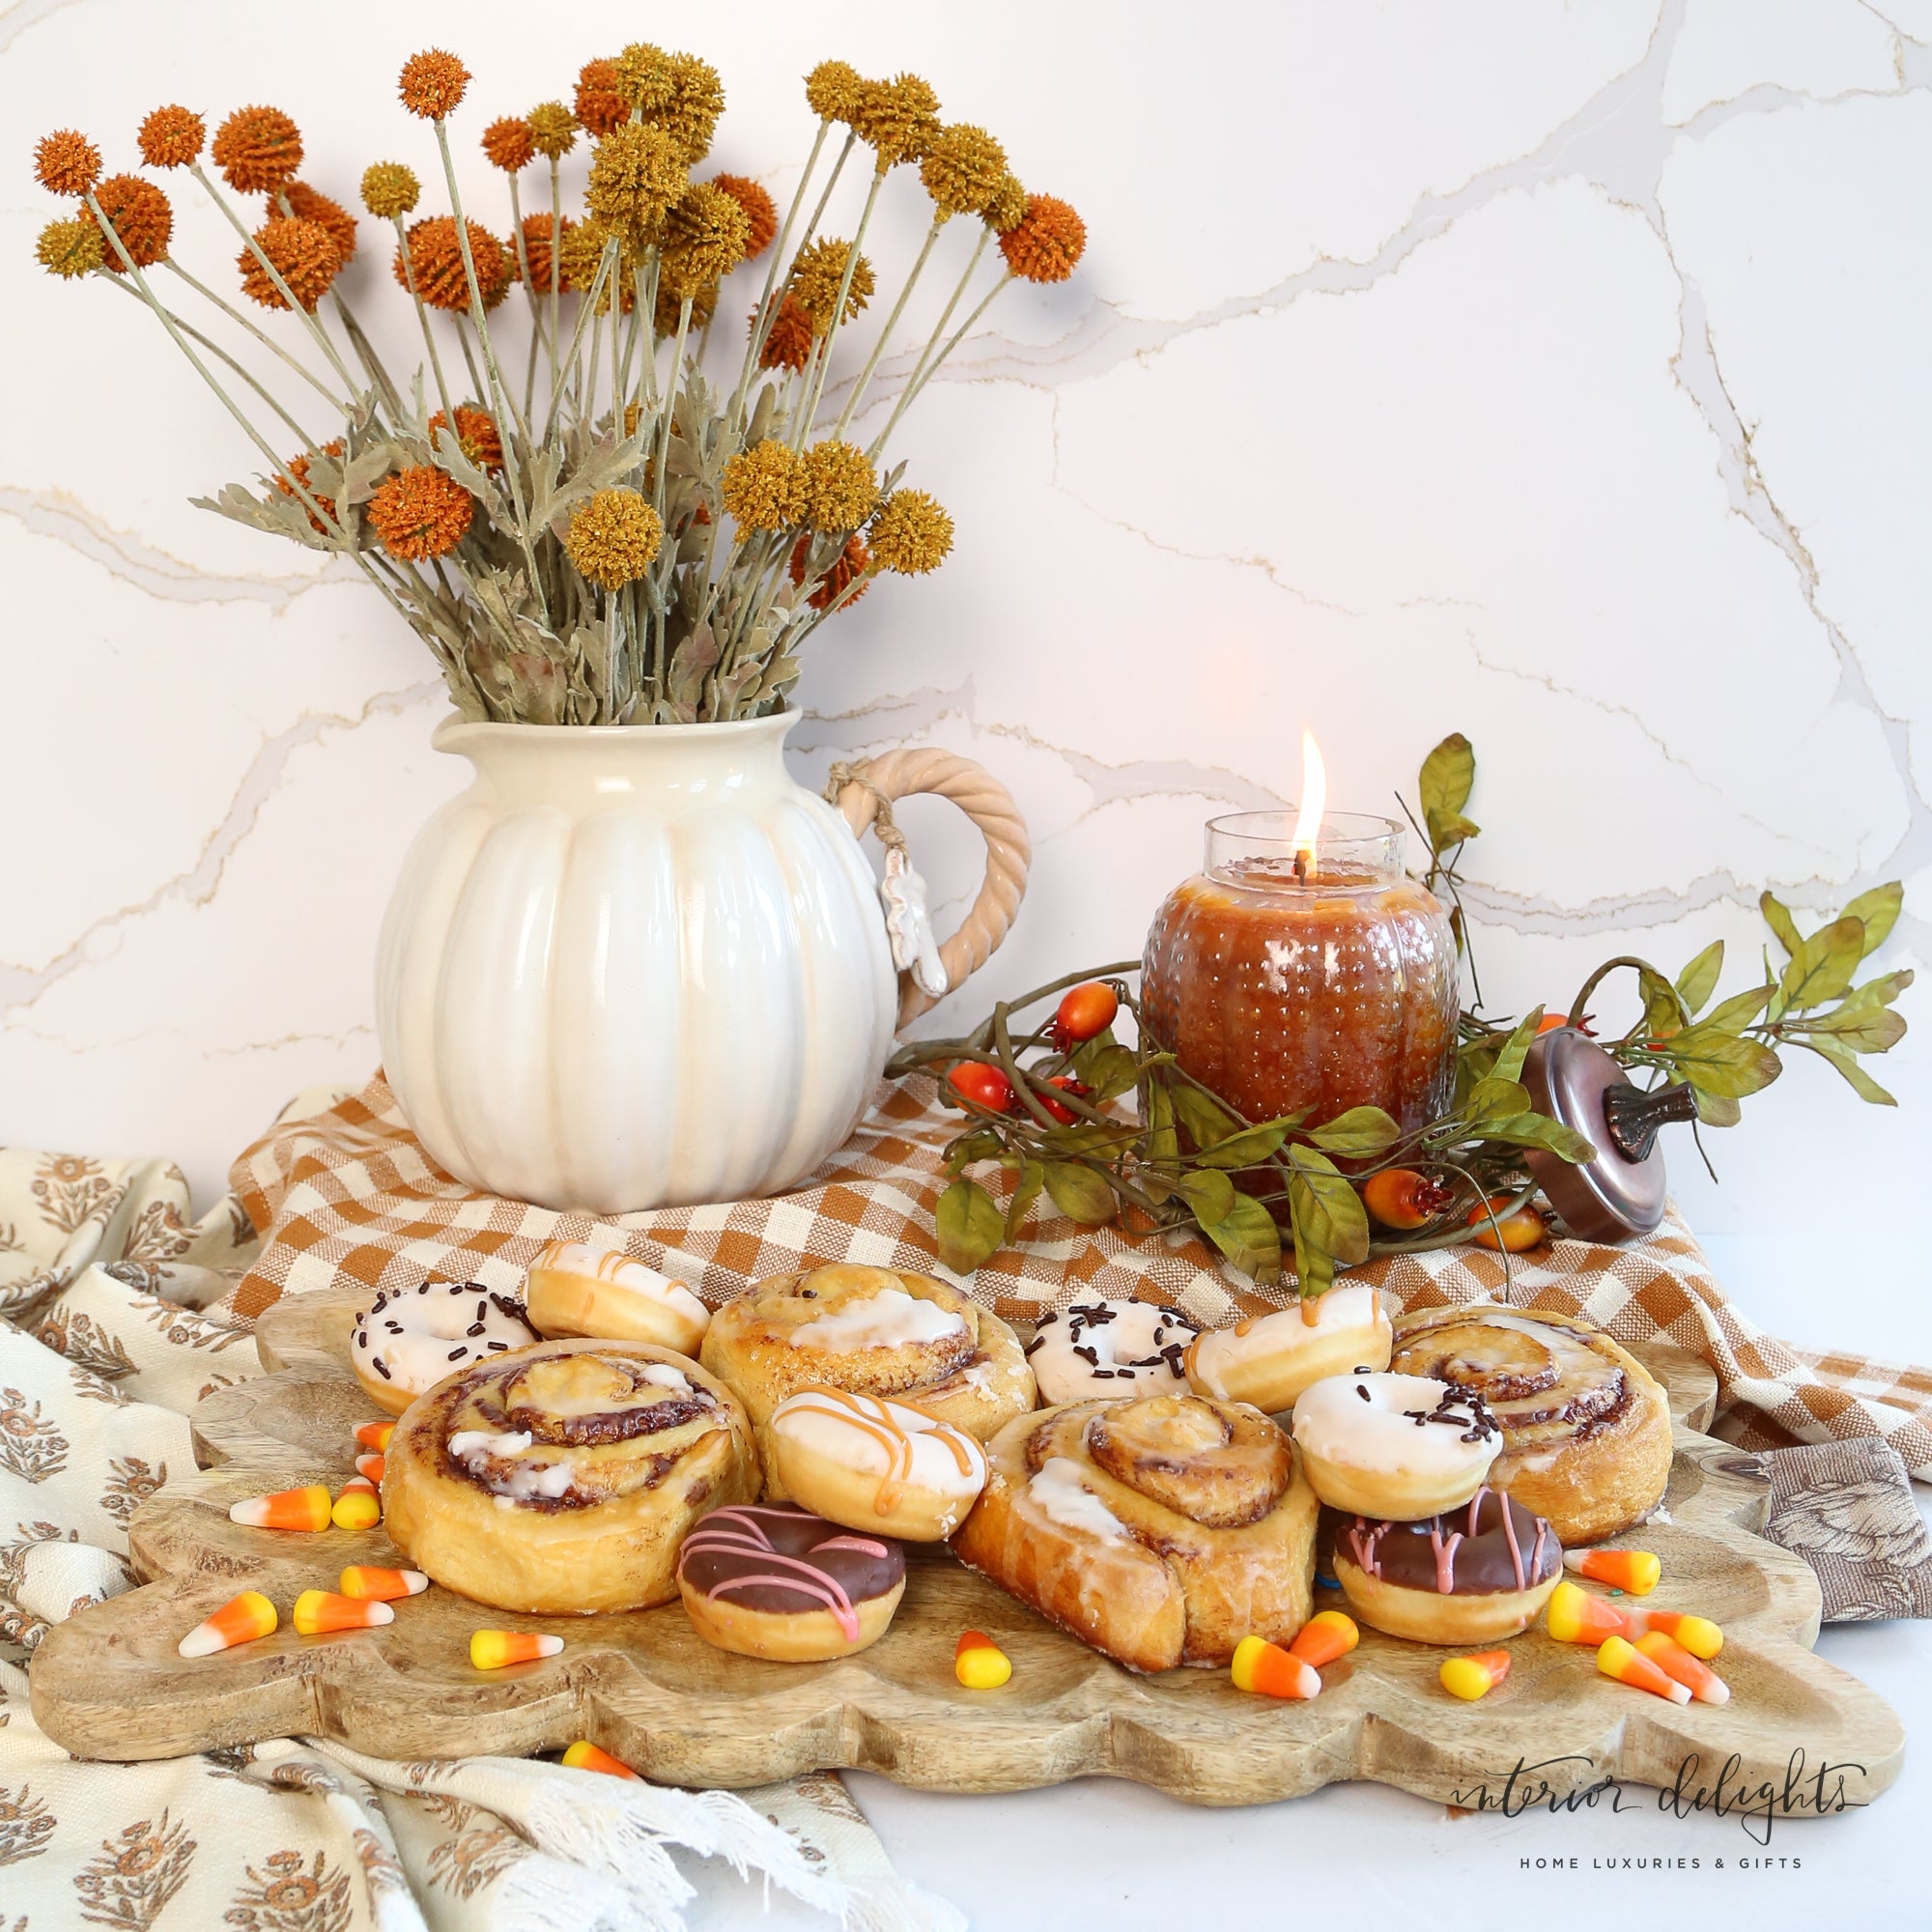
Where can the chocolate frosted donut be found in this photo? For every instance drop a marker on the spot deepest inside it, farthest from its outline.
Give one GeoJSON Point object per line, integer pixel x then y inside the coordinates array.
{"type": "Point", "coordinates": [1475, 1573]}
{"type": "Point", "coordinates": [772, 1581]}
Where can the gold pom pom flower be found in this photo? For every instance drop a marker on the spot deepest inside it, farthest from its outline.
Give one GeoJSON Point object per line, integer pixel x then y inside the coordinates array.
{"type": "Point", "coordinates": [1006, 208]}
{"type": "Point", "coordinates": [705, 235]}
{"type": "Point", "coordinates": [171, 137]}
{"type": "Point", "coordinates": [614, 538]}
{"type": "Point", "coordinates": [831, 90]}
{"type": "Point", "coordinates": [1047, 243]}
{"type": "Point", "coordinates": [507, 144]}
{"type": "Point", "coordinates": [257, 149]}
{"type": "Point", "coordinates": [839, 486]}
{"type": "Point", "coordinates": [431, 83]}
{"type": "Point", "coordinates": [690, 117]}
{"type": "Point", "coordinates": [304, 256]}
{"type": "Point", "coordinates": [580, 257]}
{"type": "Point", "coordinates": [389, 190]}
{"type": "Point", "coordinates": [898, 120]}
{"type": "Point", "coordinates": [420, 513]}
{"type": "Point", "coordinates": [911, 534]}
{"type": "Point", "coordinates": [553, 129]}
{"type": "Point", "coordinates": [963, 171]}
{"type": "Point", "coordinates": [816, 275]}
{"type": "Point", "coordinates": [65, 162]}
{"type": "Point", "coordinates": [70, 248]}
{"type": "Point", "coordinates": [704, 306]}
{"type": "Point", "coordinates": [763, 488]}
{"type": "Point", "coordinates": [138, 212]}
{"type": "Point", "coordinates": [636, 175]}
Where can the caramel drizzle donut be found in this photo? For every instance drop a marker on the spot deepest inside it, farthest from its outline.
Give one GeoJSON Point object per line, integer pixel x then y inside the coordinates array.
{"type": "Point", "coordinates": [899, 1428]}
{"type": "Point", "coordinates": [1482, 1557]}
{"type": "Point", "coordinates": [775, 1559]}
{"type": "Point", "coordinates": [1138, 1346]}
{"type": "Point", "coordinates": [573, 1289]}
{"type": "Point", "coordinates": [412, 1339]}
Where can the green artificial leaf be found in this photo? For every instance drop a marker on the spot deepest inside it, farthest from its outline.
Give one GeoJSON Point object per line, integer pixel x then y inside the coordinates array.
{"type": "Point", "coordinates": [1494, 1098]}
{"type": "Point", "coordinates": [1872, 1029]}
{"type": "Point", "coordinates": [1361, 1130]}
{"type": "Point", "coordinates": [1249, 1238]}
{"type": "Point", "coordinates": [1882, 991]}
{"type": "Point", "coordinates": [1448, 775]}
{"type": "Point", "coordinates": [1663, 1016]}
{"type": "Point", "coordinates": [1079, 1193]}
{"type": "Point", "coordinates": [1111, 1073]}
{"type": "Point", "coordinates": [1698, 980]}
{"type": "Point", "coordinates": [1722, 1062]}
{"type": "Point", "coordinates": [1717, 1110]}
{"type": "Point", "coordinates": [1734, 1014]}
{"type": "Point", "coordinates": [1539, 1130]}
{"type": "Point", "coordinates": [1860, 1081]}
{"type": "Point", "coordinates": [1879, 908]}
{"type": "Point", "coordinates": [1089, 1137]}
{"type": "Point", "coordinates": [1204, 1120]}
{"type": "Point", "coordinates": [1158, 1110]}
{"type": "Point", "coordinates": [1026, 1191]}
{"type": "Point", "coordinates": [1449, 828]}
{"type": "Point", "coordinates": [969, 1226]}
{"type": "Point", "coordinates": [1822, 967]}
{"type": "Point", "coordinates": [1779, 918]}
{"type": "Point", "coordinates": [1085, 1060]}
{"type": "Point", "coordinates": [1247, 1149]}
{"type": "Point", "coordinates": [1516, 1049]}
{"type": "Point", "coordinates": [1208, 1193]}
{"type": "Point", "coordinates": [1325, 1207]}
{"type": "Point", "coordinates": [978, 1143]}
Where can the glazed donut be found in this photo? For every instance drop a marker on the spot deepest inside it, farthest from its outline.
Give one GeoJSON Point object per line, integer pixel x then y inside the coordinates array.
{"type": "Point", "coordinates": [1161, 1529]}
{"type": "Point", "coordinates": [1476, 1576]}
{"type": "Point", "coordinates": [1585, 1427]}
{"type": "Point", "coordinates": [561, 1480]}
{"type": "Point", "coordinates": [1400, 1446]}
{"type": "Point", "coordinates": [573, 1289]}
{"type": "Point", "coordinates": [1269, 1359]}
{"type": "Point", "coordinates": [1110, 1349]}
{"type": "Point", "coordinates": [870, 1332]}
{"type": "Point", "coordinates": [406, 1341]}
{"type": "Point", "coordinates": [781, 1584]}
{"type": "Point", "coordinates": [881, 1466]}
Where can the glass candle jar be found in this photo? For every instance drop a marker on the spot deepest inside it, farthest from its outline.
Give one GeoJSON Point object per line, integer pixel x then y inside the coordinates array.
{"type": "Point", "coordinates": [1316, 976]}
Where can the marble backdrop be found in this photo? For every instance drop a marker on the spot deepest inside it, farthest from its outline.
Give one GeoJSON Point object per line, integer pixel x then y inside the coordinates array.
{"type": "Point", "coordinates": [1555, 373]}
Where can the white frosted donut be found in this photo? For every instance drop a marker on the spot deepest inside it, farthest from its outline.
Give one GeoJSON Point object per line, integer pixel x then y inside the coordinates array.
{"type": "Point", "coordinates": [1396, 1446]}
{"type": "Point", "coordinates": [406, 1341]}
{"type": "Point", "coordinates": [885, 1468]}
{"type": "Point", "coordinates": [575, 1290]}
{"type": "Point", "coordinates": [1267, 1360]}
{"type": "Point", "coordinates": [1110, 1349]}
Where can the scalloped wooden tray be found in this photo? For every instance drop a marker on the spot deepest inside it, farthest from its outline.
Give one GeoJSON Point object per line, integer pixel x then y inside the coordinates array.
{"type": "Point", "coordinates": [107, 1683]}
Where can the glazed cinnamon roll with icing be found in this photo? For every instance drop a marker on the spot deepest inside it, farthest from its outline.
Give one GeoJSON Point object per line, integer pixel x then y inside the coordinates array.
{"type": "Point", "coordinates": [1585, 1427]}
{"type": "Point", "coordinates": [1161, 1529]}
{"type": "Point", "coordinates": [868, 1331]}
{"type": "Point", "coordinates": [562, 1480]}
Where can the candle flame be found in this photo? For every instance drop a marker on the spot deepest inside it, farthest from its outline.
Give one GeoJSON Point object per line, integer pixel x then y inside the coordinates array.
{"type": "Point", "coordinates": [1313, 799]}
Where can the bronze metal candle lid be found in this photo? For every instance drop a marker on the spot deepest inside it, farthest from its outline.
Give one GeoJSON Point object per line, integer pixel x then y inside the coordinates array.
{"type": "Point", "coordinates": [1621, 1192]}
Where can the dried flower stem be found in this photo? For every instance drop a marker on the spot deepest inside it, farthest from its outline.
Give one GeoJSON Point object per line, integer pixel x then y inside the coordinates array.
{"type": "Point", "coordinates": [587, 313]}
{"type": "Point", "coordinates": [422, 316]}
{"type": "Point", "coordinates": [810, 411]}
{"type": "Point", "coordinates": [933, 341]}
{"type": "Point", "coordinates": [365, 353]}
{"type": "Point", "coordinates": [555, 263]}
{"type": "Point", "coordinates": [261, 336]}
{"type": "Point", "coordinates": [668, 412]}
{"type": "Point", "coordinates": [537, 325]}
{"type": "Point", "coordinates": [864, 374]}
{"type": "Point", "coordinates": [927, 374]}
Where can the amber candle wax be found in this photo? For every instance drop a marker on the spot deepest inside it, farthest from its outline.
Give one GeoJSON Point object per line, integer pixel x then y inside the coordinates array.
{"type": "Point", "coordinates": [1321, 978]}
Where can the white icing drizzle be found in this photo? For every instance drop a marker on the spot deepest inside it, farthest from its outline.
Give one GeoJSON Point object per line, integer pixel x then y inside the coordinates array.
{"type": "Point", "coordinates": [477, 1449]}
{"type": "Point", "coordinates": [663, 1375]}
{"type": "Point", "coordinates": [469, 1442]}
{"type": "Point", "coordinates": [1061, 1497]}
{"type": "Point", "coordinates": [882, 1320]}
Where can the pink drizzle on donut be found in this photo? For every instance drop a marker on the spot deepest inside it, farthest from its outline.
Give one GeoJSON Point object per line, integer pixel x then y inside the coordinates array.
{"type": "Point", "coordinates": [733, 1532]}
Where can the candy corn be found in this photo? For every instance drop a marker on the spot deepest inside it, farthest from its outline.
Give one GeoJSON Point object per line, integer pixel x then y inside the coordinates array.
{"type": "Point", "coordinates": [239, 1620]}
{"type": "Point", "coordinates": [1674, 1661]}
{"type": "Point", "coordinates": [362, 1580]}
{"type": "Point", "coordinates": [492, 1650]}
{"type": "Point", "coordinates": [358, 1506]}
{"type": "Point", "coordinates": [1699, 1635]}
{"type": "Point", "coordinates": [583, 1755]}
{"type": "Point", "coordinates": [1633, 1570]}
{"type": "Point", "coordinates": [370, 1469]}
{"type": "Point", "coordinates": [1269, 1671]}
{"type": "Point", "coordinates": [979, 1663]}
{"type": "Point", "coordinates": [287, 1509]}
{"type": "Point", "coordinates": [1323, 1637]}
{"type": "Point", "coordinates": [376, 1436]}
{"type": "Point", "coordinates": [1473, 1677]}
{"type": "Point", "coordinates": [319, 1611]}
{"type": "Point", "coordinates": [1620, 1659]}
{"type": "Point", "coordinates": [1575, 1616]}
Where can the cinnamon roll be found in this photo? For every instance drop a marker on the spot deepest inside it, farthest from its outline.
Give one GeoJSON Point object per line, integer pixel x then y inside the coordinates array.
{"type": "Point", "coordinates": [1161, 1529]}
{"type": "Point", "coordinates": [1474, 1574]}
{"type": "Point", "coordinates": [1269, 1359]}
{"type": "Point", "coordinates": [1585, 1427]}
{"type": "Point", "coordinates": [408, 1340]}
{"type": "Point", "coordinates": [778, 1582]}
{"type": "Point", "coordinates": [870, 1331]}
{"type": "Point", "coordinates": [563, 1479]}
{"type": "Point", "coordinates": [573, 1289]}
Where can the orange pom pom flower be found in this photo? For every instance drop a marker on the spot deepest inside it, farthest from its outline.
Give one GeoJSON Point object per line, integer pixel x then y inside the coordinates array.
{"type": "Point", "coordinates": [1047, 243]}
{"type": "Point", "coordinates": [305, 257]}
{"type": "Point", "coordinates": [171, 137]}
{"type": "Point", "coordinates": [431, 83]}
{"type": "Point", "coordinates": [138, 212]}
{"type": "Point", "coordinates": [257, 149]}
{"type": "Point", "coordinates": [420, 512]}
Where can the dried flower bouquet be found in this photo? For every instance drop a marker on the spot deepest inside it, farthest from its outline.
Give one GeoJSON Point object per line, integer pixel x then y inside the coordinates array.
{"type": "Point", "coordinates": [602, 536]}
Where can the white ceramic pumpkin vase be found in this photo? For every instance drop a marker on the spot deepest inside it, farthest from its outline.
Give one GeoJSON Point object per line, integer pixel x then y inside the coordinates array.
{"type": "Point", "coordinates": [635, 967]}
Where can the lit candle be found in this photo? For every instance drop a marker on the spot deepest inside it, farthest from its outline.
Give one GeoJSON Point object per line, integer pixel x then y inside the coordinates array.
{"type": "Point", "coordinates": [1303, 968]}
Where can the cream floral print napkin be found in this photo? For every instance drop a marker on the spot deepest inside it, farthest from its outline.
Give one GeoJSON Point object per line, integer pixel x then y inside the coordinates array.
{"type": "Point", "coordinates": [107, 1339]}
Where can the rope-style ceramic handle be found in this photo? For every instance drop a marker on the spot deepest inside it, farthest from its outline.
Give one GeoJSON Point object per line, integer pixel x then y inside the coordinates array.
{"type": "Point", "coordinates": [988, 804]}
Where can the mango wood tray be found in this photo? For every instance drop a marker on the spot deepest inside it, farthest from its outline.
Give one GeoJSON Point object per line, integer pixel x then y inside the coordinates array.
{"type": "Point", "coordinates": [107, 1683]}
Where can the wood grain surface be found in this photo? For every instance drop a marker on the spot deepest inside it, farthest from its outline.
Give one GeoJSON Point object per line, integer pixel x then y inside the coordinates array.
{"type": "Point", "coordinates": [109, 1684]}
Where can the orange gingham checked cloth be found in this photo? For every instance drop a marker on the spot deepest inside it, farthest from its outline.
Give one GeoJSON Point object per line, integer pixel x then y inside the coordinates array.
{"type": "Point", "coordinates": [349, 1194]}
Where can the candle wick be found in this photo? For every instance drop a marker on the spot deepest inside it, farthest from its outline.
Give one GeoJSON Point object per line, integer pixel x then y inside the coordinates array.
{"type": "Point", "coordinates": [1301, 867]}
